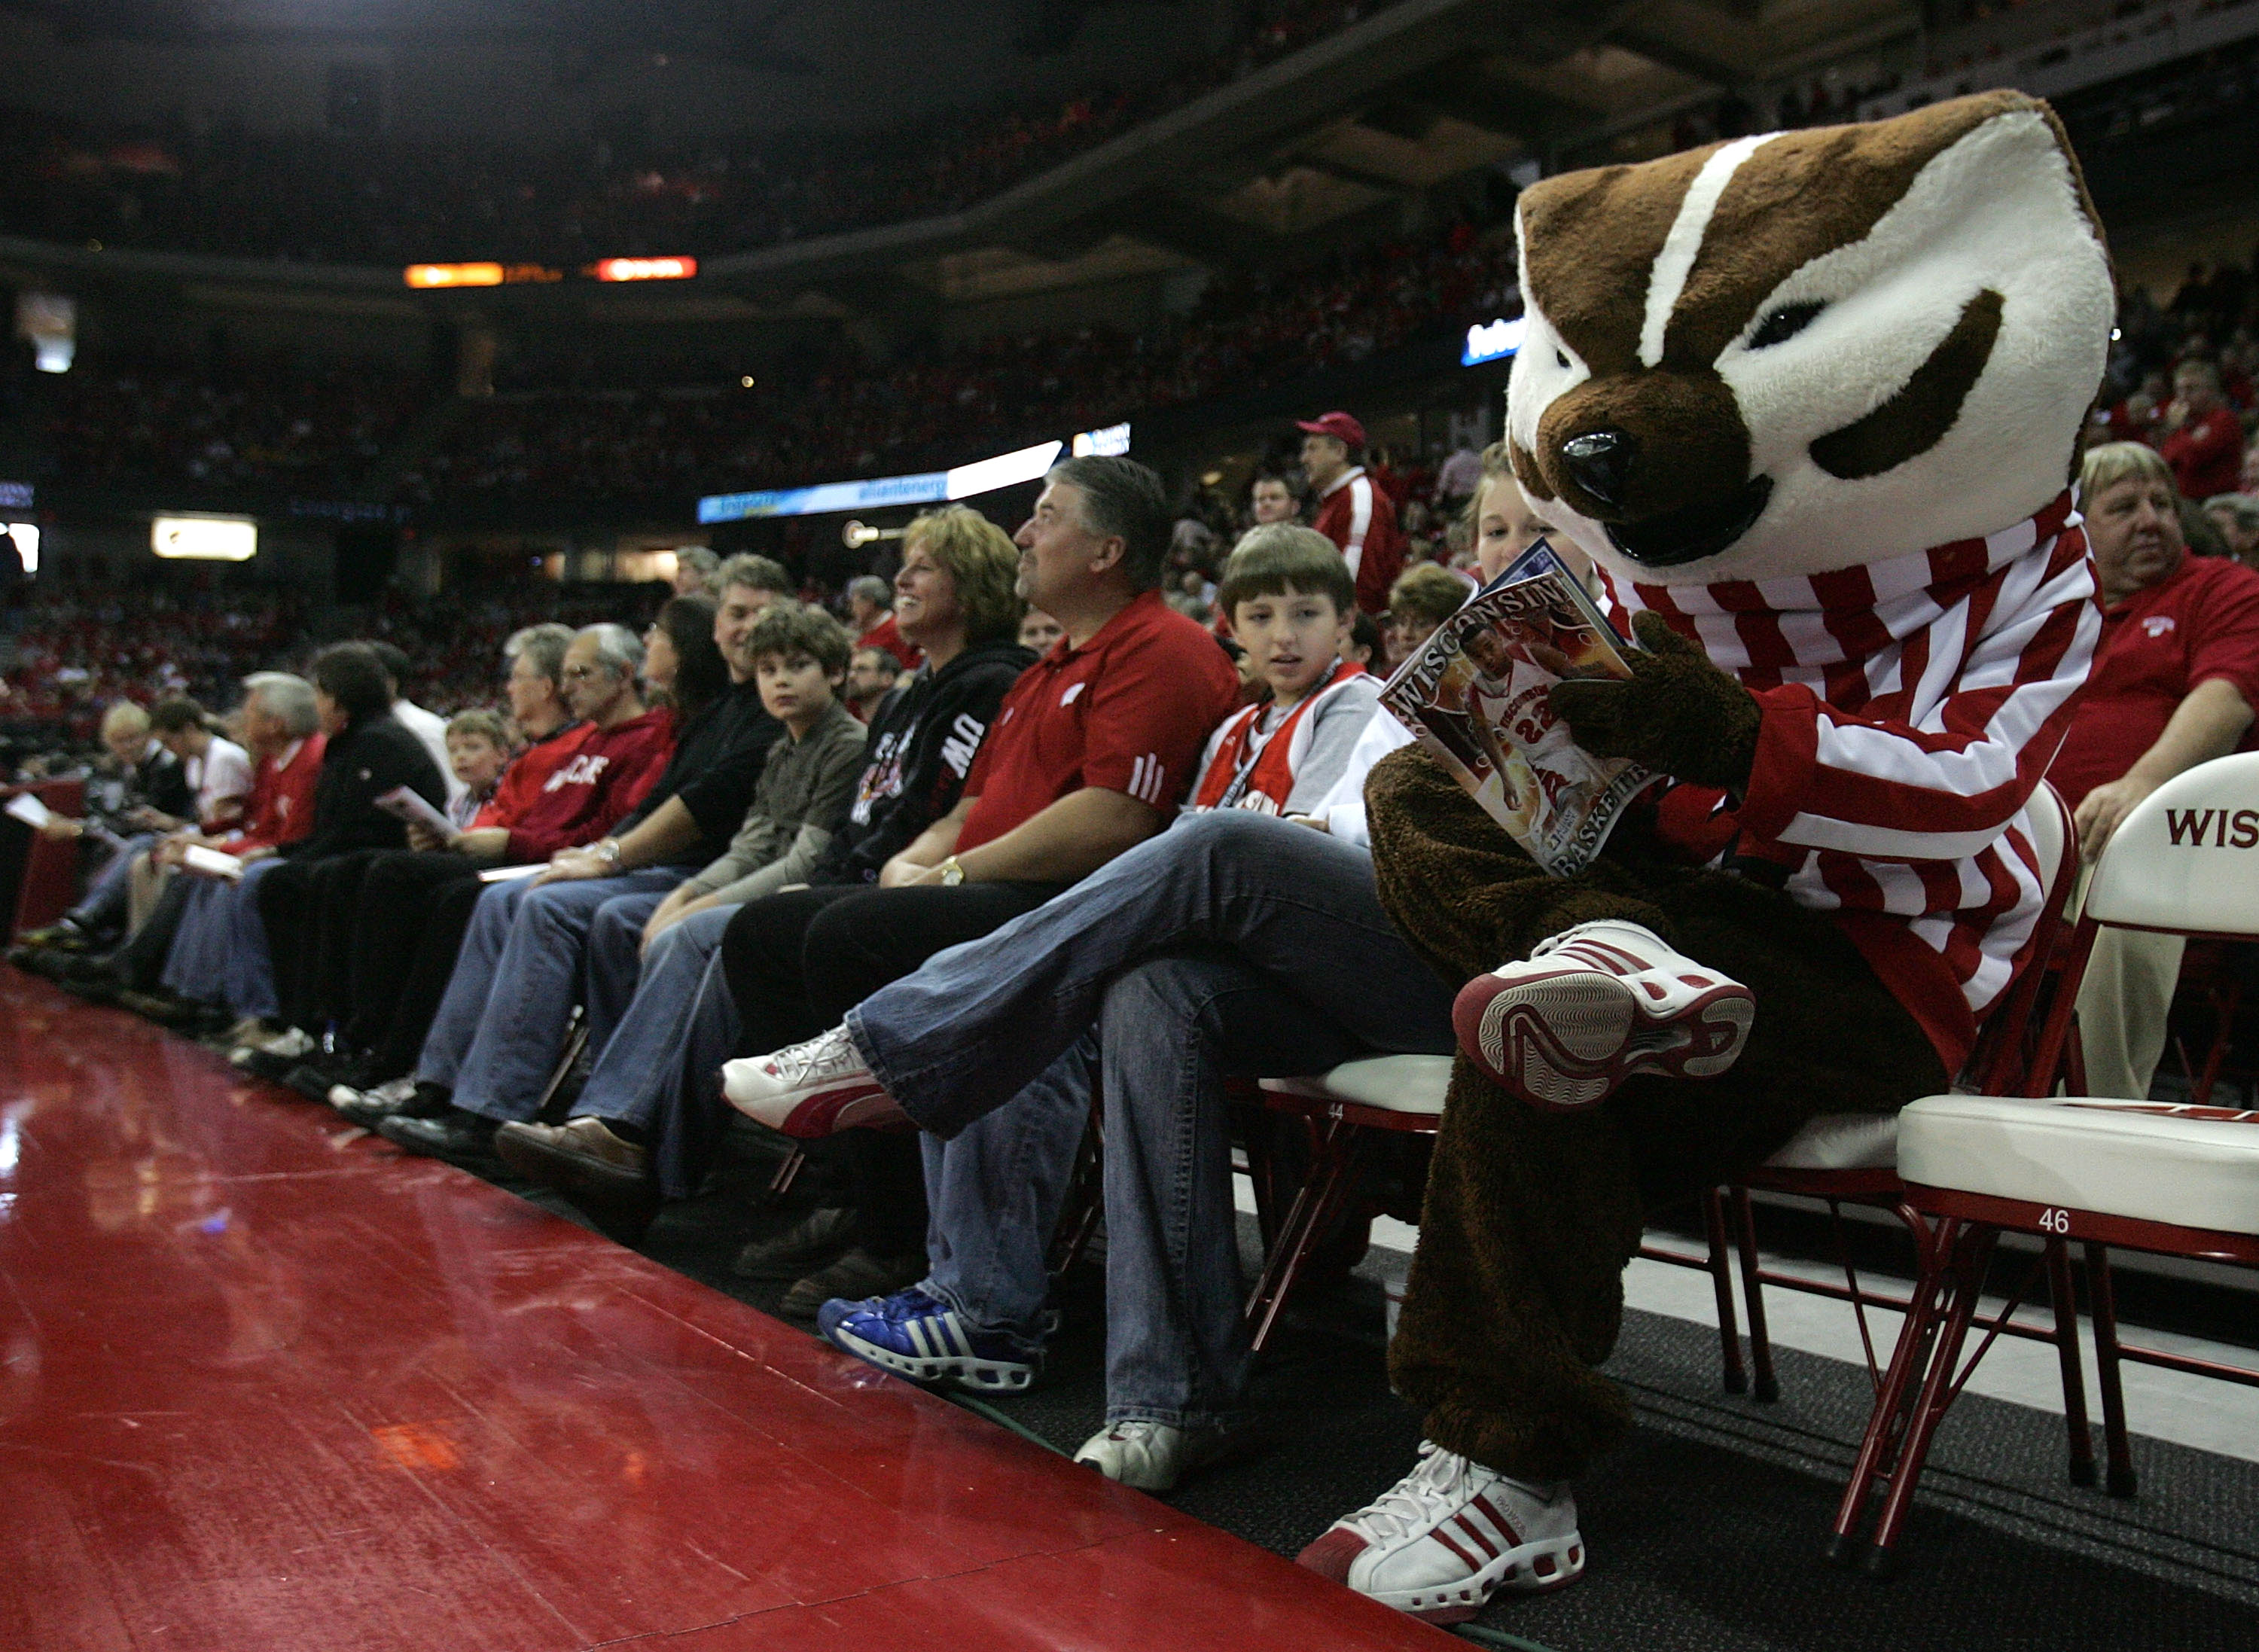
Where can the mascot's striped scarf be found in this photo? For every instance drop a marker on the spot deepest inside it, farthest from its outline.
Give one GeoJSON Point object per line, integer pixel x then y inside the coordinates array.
{"type": "Point", "coordinates": [1907, 702]}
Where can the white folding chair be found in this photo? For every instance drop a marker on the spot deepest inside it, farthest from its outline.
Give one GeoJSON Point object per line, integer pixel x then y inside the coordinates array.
{"type": "Point", "coordinates": [2174, 1181]}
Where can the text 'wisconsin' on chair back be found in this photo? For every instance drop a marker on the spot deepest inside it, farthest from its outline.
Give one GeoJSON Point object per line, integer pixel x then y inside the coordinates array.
{"type": "Point", "coordinates": [2186, 860]}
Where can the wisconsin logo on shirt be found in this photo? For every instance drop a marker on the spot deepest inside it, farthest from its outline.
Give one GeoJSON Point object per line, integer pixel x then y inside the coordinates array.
{"type": "Point", "coordinates": [581, 771]}
{"type": "Point", "coordinates": [1067, 699]}
{"type": "Point", "coordinates": [2157, 625]}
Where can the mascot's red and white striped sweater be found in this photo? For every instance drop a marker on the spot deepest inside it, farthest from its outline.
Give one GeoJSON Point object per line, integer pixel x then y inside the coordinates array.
{"type": "Point", "coordinates": [1910, 709]}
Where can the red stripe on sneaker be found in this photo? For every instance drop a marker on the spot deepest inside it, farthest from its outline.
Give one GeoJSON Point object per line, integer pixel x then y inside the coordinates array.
{"type": "Point", "coordinates": [1481, 1537]}
{"type": "Point", "coordinates": [1614, 955]}
{"type": "Point", "coordinates": [1505, 1526]}
{"type": "Point", "coordinates": [1444, 1538]}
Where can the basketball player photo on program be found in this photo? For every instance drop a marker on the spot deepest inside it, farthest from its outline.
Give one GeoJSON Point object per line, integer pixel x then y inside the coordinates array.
{"type": "Point", "coordinates": [1478, 695]}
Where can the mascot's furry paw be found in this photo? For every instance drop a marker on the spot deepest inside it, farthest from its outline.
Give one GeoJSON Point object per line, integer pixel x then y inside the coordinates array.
{"type": "Point", "coordinates": [1677, 714]}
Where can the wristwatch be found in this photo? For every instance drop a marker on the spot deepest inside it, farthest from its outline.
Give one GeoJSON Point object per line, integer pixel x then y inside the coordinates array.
{"type": "Point", "coordinates": [952, 873]}
{"type": "Point", "coordinates": [608, 853]}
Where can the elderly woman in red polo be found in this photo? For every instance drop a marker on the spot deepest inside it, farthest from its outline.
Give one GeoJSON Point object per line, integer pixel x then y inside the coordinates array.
{"type": "Point", "coordinates": [2176, 679]}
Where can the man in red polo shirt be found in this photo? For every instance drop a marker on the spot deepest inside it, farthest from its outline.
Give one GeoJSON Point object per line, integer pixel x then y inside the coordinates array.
{"type": "Point", "coordinates": [2175, 679]}
{"type": "Point", "coordinates": [2205, 445]}
{"type": "Point", "coordinates": [1088, 756]}
{"type": "Point", "coordinates": [1353, 510]}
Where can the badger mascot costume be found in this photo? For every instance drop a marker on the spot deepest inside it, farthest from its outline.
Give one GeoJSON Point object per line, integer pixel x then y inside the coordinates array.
{"type": "Point", "coordinates": [1810, 402]}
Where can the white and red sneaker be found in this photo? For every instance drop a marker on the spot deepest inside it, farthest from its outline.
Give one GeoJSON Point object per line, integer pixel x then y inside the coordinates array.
{"type": "Point", "coordinates": [1449, 1535]}
{"type": "Point", "coordinates": [810, 1090]}
{"type": "Point", "coordinates": [1595, 1005]}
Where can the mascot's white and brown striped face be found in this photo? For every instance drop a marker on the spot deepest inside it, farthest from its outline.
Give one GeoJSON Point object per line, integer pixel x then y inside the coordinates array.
{"type": "Point", "coordinates": [1810, 350]}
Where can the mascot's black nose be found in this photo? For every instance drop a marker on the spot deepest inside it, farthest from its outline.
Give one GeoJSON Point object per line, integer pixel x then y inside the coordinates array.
{"type": "Point", "coordinates": [1601, 461]}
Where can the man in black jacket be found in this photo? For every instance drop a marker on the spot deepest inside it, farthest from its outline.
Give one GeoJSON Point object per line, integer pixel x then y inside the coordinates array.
{"type": "Point", "coordinates": [370, 752]}
{"type": "Point", "coordinates": [636, 1136]}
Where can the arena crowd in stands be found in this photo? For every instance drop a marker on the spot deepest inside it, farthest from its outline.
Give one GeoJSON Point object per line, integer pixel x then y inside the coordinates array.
{"type": "Point", "coordinates": [315, 432]}
{"type": "Point", "coordinates": [837, 416]}
{"type": "Point", "coordinates": [844, 416]}
{"type": "Point", "coordinates": [850, 419]}
{"type": "Point", "coordinates": [333, 198]}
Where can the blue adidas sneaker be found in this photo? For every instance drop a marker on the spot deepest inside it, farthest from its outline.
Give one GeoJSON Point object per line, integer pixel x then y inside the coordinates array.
{"type": "Point", "coordinates": [912, 1336]}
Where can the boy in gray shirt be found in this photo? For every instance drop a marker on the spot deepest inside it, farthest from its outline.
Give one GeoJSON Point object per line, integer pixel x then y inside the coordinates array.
{"type": "Point", "coordinates": [799, 658]}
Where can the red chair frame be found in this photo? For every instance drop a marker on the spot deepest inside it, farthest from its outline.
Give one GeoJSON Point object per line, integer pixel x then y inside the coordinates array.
{"type": "Point", "coordinates": [1340, 1131]}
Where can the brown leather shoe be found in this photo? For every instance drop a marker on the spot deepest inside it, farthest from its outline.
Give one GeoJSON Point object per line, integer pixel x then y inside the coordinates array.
{"type": "Point", "coordinates": [580, 1156]}
{"type": "Point", "coordinates": [859, 1274]}
{"type": "Point", "coordinates": [816, 1241]}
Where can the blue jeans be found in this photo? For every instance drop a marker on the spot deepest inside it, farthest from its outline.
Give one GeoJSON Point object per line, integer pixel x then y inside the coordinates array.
{"type": "Point", "coordinates": [658, 1070]}
{"type": "Point", "coordinates": [1231, 944]}
{"type": "Point", "coordinates": [220, 952]}
{"type": "Point", "coordinates": [104, 904]}
{"type": "Point", "coordinates": [501, 1025]}
{"type": "Point", "coordinates": [615, 967]}
{"type": "Point", "coordinates": [993, 1193]}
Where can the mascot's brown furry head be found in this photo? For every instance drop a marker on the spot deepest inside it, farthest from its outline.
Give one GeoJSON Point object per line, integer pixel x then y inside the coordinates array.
{"type": "Point", "coordinates": [1810, 350]}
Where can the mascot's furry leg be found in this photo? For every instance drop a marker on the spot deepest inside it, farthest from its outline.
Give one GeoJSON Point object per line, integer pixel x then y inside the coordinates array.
{"type": "Point", "coordinates": [1517, 1292]}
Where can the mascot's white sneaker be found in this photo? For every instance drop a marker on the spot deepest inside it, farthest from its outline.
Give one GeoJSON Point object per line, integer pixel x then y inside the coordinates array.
{"type": "Point", "coordinates": [1595, 1005]}
{"type": "Point", "coordinates": [1449, 1535]}
{"type": "Point", "coordinates": [810, 1090]}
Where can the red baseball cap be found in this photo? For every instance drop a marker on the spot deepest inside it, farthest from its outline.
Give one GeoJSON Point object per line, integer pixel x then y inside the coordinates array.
{"type": "Point", "coordinates": [1341, 426]}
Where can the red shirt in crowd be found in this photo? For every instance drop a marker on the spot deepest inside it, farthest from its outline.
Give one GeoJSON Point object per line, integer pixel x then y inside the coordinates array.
{"type": "Point", "coordinates": [887, 635]}
{"type": "Point", "coordinates": [281, 807]}
{"type": "Point", "coordinates": [2206, 454]}
{"type": "Point", "coordinates": [2199, 623]}
{"type": "Point", "coordinates": [602, 779]}
{"type": "Point", "coordinates": [528, 772]}
{"type": "Point", "coordinates": [1128, 710]}
{"type": "Point", "coordinates": [1358, 516]}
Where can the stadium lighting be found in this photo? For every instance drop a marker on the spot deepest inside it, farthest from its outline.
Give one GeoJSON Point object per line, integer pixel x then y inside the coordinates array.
{"type": "Point", "coordinates": [25, 537]}
{"type": "Point", "coordinates": [49, 322]}
{"type": "Point", "coordinates": [204, 538]}
{"type": "Point", "coordinates": [1493, 340]}
{"type": "Point", "coordinates": [454, 275]}
{"type": "Point", "coordinates": [646, 269]}
{"type": "Point", "coordinates": [987, 475]}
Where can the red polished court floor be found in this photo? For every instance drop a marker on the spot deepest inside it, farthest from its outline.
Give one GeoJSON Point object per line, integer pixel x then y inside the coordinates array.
{"type": "Point", "coordinates": [267, 1384]}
